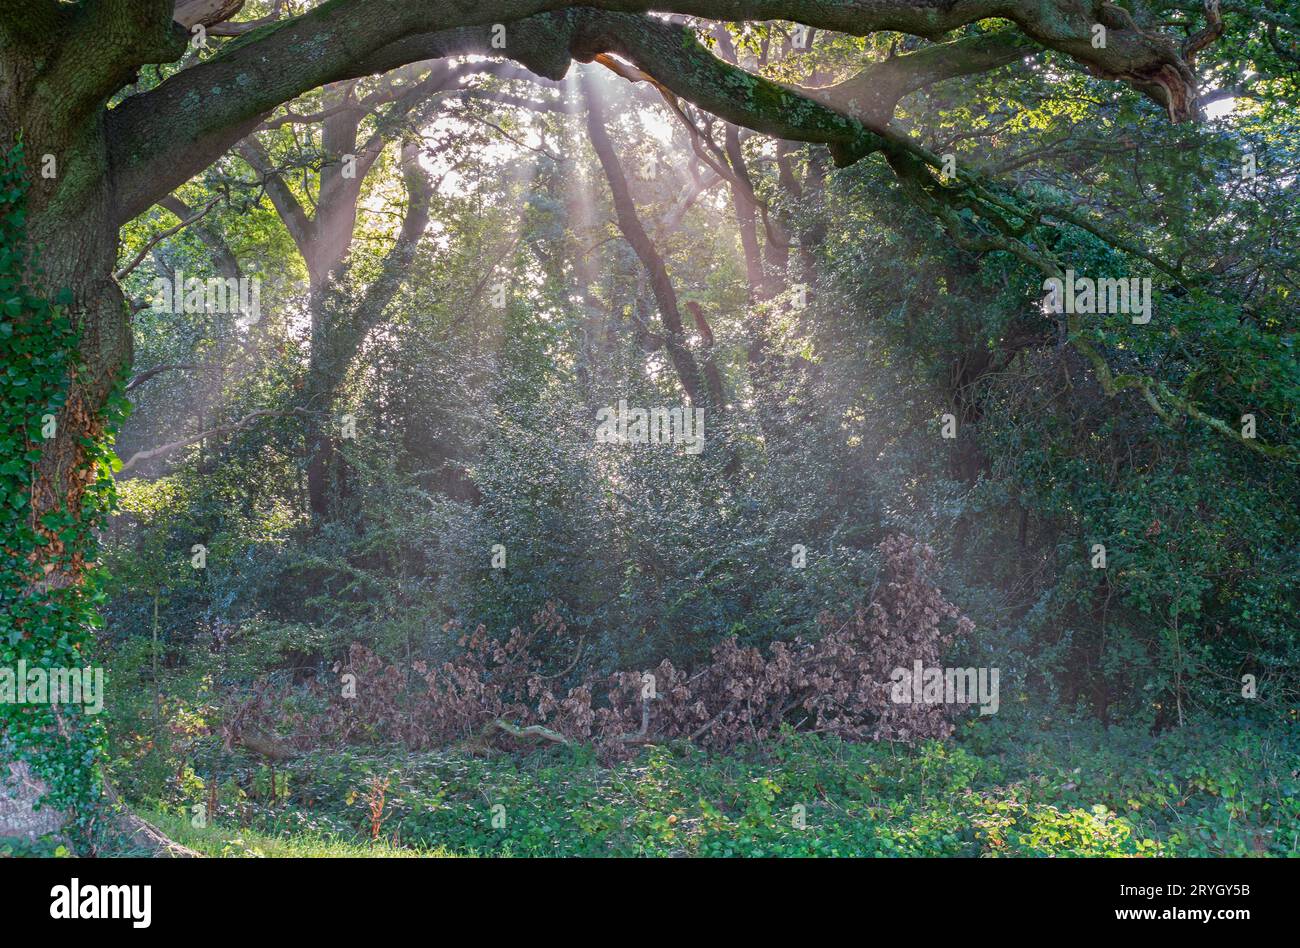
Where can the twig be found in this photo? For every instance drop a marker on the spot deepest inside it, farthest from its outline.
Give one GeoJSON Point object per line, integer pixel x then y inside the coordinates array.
{"type": "Point", "coordinates": [163, 235]}
{"type": "Point", "coordinates": [150, 453]}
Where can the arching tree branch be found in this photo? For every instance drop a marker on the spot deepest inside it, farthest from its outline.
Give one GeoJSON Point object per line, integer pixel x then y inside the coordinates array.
{"type": "Point", "coordinates": [162, 137]}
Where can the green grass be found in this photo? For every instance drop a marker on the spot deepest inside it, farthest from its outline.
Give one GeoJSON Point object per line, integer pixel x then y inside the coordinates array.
{"type": "Point", "coordinates": [998, 789]}
{"type": "Point", "coordinates": [221, 841]}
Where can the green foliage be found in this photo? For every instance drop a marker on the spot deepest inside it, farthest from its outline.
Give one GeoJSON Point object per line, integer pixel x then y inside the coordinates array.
{"type": "Point", "coordinates": [1028, 788]}
{"type": "Point", "coordinates": [218, 842]}
{"type": "Point", "coordinates": [32, 849]}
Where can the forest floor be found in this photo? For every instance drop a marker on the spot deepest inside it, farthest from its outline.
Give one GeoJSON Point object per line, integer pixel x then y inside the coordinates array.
{"type": "Point", "coordinates": [996, 789]}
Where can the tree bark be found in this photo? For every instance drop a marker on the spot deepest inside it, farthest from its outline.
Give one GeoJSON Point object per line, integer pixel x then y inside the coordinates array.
{"type": "Point", "coordinates": [661, 284]}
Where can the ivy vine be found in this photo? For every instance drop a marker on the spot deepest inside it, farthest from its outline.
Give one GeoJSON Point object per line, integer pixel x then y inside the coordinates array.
{"type": "Point", "coordinates": [46, 624]}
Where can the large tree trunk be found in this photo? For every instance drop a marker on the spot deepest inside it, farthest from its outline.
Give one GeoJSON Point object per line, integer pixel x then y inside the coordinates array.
{"type": "Point", "coordinates": [68, 254]}
{"type": "Point", "coordinates": [50, 782]}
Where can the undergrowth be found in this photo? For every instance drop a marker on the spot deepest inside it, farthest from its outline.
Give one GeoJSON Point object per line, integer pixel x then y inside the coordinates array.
{"type": "Point", "coordinates": [997, 789]}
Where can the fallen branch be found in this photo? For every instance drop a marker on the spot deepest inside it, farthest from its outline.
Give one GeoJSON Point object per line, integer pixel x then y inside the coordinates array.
{"type": "Point", "coordinates": [532, 732]}
{"type": "Point", "coordinates": [264, 745]}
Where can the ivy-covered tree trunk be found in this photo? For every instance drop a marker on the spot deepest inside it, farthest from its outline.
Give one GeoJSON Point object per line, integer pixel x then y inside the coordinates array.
{"type": "Point", "coordinates": [64, 344]}
{"type": "Point", "coordinates": [65, 340]}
